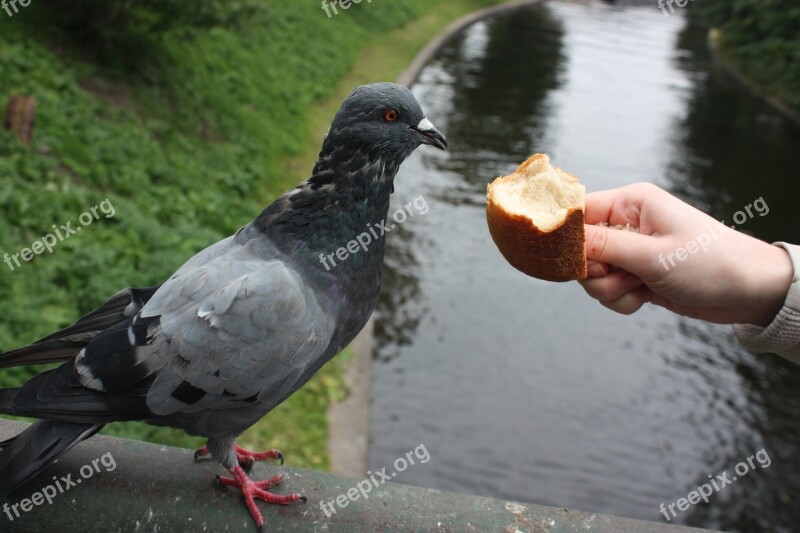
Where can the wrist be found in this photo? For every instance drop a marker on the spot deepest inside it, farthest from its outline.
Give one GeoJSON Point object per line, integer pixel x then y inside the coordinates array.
{"type": "Point", "coordinates": [773, 280]}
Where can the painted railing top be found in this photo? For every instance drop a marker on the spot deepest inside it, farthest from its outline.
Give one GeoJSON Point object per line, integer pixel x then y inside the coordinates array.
{"type": "Point", "coordinates": [109, 484]}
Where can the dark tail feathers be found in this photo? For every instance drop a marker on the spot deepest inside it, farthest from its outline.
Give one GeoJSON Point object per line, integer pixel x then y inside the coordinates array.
{"type": "Point", "coordinates": [65, 343]}
{"type": "Point", "coordinates": [27, 454]}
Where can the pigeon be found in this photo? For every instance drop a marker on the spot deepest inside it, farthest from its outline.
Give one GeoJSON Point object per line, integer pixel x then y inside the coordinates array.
{"type": "Point", "coordinates": [241, 325]}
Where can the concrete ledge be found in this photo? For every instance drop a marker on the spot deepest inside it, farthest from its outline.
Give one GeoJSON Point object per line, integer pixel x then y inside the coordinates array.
{"type": "Point", "coordinates": [159, 488]}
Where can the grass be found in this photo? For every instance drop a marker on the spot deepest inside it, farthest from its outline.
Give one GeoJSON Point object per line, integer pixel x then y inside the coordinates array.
{"type": "Point", "coordinates": [188, 139]}
{"type": "Point", "coordinates": [384, 59]}
{"type": "Point", "coordinates": [761, 38]}
{"type": "Point", "coordinates": [778, 78]}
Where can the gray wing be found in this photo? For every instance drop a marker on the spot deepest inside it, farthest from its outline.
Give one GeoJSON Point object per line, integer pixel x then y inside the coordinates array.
{"type": "Point", "coordinates": [234, 323]}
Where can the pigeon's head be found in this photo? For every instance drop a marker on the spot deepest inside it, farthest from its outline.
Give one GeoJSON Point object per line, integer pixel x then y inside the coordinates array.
{"type": "Point", "coordinates": [385, 120]}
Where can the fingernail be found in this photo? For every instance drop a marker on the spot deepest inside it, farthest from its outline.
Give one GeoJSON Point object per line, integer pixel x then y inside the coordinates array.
{"type": "Point", "coordinates": [595, 270]}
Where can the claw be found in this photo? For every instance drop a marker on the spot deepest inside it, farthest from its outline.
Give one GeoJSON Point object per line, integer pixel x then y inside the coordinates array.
{"type": "Point", "coordinates": [201, 453]}
{"type": "Point", "coordinates": [252, 490]}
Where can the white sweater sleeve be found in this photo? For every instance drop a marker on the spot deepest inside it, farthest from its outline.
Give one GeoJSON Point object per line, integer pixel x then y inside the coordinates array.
{"type": "Point", "coordinates": [782, 336]}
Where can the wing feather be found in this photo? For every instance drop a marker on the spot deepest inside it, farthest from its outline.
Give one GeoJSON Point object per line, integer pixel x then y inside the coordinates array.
{"type": "Point", "coordinates": [251, 327]}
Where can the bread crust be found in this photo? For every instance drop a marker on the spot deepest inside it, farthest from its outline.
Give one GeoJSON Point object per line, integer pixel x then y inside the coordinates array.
{"type": "Point", "coordinates": [558, 254]}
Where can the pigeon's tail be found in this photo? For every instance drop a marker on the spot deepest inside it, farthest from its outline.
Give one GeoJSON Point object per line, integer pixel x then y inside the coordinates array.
{"type": "Point", "coordinates": [67, 342]}
{"type": "Point", "coordinates": [27, 454]}
{"type": "Point", "coordinates": [41, 352]}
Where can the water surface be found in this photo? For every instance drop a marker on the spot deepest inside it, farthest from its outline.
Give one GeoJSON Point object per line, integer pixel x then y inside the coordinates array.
{"type": "Point", "coordinates": [528, 390]}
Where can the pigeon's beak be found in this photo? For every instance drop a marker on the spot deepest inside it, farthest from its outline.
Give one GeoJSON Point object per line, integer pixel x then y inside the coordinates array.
{"type": "Point", "coordinates": [430, 135]}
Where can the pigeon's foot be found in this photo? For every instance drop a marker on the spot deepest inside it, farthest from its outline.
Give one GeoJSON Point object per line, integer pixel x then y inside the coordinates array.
{"type": "Point", "coordinates": [246, 458]}
{"type": "Point", "coordinates": [252, 490]}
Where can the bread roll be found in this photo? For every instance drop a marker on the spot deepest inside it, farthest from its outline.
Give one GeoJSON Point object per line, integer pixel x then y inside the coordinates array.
{"type": "Point", "coordinates": [535, 216]}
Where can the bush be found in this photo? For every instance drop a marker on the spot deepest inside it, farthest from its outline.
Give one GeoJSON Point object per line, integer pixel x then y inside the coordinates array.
{"type": "Point", "coordinates": [762, 37]}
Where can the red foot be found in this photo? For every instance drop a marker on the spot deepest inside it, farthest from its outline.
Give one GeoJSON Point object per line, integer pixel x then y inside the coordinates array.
{"type": "Point", "coordinates": [246, 458]}
{"type": "Point", "coordinates": [252, 490]}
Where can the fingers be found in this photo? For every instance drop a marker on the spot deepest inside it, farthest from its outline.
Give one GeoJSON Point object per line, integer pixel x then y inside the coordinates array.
{"type": "Point", "coordinates": [628, 250]}
{"type": "Point", "coordinates": [619, 291]}
{"type": "Point", "coordinates": [630, 302]}
{"type": "Point", "coordinates": [596, 270]}
{"type": "Point", "coordinates": [611, 287]}
{"type": "Point", "coordinates": [617, 206]}
{"type": "Point", "coordinates": [600, 206]}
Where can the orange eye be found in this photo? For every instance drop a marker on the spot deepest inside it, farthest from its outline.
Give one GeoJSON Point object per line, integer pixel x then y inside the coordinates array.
{"type": "Point", "coordinates": [391, 115]}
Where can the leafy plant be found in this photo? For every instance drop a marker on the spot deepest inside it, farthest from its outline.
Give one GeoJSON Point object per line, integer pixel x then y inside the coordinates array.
{"type": "Point", "coordinates": [762, 37]}
{"type": "Point", "coordinates": [182, 115]}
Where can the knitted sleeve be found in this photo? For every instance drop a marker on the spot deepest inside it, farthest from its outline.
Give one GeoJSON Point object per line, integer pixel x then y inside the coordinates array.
{"type": "Point", "coordinates": [782, 336]}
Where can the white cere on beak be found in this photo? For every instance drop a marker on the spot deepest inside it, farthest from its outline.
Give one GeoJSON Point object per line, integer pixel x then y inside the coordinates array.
{"type": "Point", "coordinates": [425, 125]}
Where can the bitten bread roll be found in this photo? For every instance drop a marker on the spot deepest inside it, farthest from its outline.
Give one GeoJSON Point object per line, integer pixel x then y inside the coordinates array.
{"type": "Point", "coordinates": [535, 216]}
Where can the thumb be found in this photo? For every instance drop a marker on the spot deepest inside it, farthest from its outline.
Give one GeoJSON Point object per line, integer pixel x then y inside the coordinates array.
{"type": "Point", "coordinates": [626, 249]}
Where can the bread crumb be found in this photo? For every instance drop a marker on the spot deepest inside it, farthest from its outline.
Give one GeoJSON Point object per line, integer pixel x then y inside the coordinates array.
{"type": "Point", "coordinates": [626, 227]}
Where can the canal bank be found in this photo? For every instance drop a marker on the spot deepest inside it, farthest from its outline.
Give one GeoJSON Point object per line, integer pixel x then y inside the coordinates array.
{"type": "Point", "coordinates": [723, 59]}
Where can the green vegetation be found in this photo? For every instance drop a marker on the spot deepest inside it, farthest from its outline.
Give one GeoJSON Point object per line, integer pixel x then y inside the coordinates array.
{"type": "Point", "coordinates": [762, 37]}
{"type": "Point", "coordinates": [189, 120]}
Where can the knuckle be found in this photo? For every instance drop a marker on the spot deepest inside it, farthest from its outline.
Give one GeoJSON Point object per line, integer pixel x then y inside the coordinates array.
{"type": "Point", "coordinates": [599, 289]}
{"type": "Point", "coordinates": [629, 303]}
{"type": "Point", "coordinates": [610, 293]}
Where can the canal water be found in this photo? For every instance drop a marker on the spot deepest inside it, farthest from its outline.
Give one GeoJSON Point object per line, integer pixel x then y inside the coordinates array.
{"type": "Point", "coordinates": [530, 391]}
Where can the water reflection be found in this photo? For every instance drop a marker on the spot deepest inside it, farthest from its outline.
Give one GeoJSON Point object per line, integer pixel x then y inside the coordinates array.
{"type": "Point", "coordinates": [402, 298]}
{"type": "Point", "coordinates": [731, 149]}
{"type": "Point", "coordinates": [527, 390]}
{"type": "Point", "coordinates": [498, 107]}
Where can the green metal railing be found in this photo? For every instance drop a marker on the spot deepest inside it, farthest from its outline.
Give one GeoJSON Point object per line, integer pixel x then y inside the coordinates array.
{"type": "Point", "coordinates": [107, 484]}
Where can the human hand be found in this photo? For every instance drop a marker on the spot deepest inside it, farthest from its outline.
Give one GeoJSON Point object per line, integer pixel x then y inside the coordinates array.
{"type": "Point", "coordinates": [720, 276]}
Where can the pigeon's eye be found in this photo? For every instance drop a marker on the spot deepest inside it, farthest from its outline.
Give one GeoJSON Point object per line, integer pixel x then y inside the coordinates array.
{"type": "Point", "coordinates": [391, 115]}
